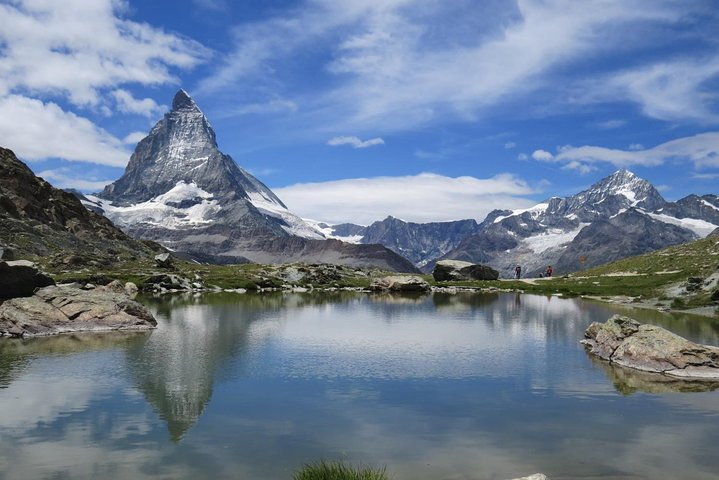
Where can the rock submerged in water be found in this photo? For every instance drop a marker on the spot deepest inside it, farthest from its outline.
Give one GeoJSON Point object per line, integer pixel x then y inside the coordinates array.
{"type": "Point", "coordinates": [626, 342]}
{"type": "Point", "coordinates": [400, 284]}
{"type": "Point", "coordinates": [63, 309]}
{"type": "Point", "coordinates": [455, 270]}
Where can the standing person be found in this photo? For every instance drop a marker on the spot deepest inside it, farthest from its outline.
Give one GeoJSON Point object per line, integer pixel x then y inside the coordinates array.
{"type": "Point", "coordinates": [549, 271]}
{"type": "Point", "coordinates": [517, 272]}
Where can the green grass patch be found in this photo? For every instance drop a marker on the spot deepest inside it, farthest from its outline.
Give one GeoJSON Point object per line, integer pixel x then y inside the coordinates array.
{"type": "Point", "coordinates": [336, 470]}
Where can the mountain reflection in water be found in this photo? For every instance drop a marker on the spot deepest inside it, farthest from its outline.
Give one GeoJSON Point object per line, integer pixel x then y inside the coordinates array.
{"type": "Point", "coordinates": [474, 386]}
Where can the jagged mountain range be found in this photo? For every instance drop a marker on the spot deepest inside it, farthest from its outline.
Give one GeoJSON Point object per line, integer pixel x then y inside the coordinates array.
{"type": "Point", "coordinates": [619, 216]}
{"type": "Point", "coordinates": [180, 190]}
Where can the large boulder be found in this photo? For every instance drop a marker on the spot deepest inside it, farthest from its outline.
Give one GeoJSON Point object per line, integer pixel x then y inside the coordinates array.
{"type": "Point", "coordinates": [164, 260]}
{"type": "Point", "coordinates": [20, 278]}
{"type": "Point", "coordinates": [626, 342]}
{"type": "Point", "coordinates": [62, 309]}
{"type": "Point", "coordinates": [400, 284]}
{"type": "Point", "coordinates": [456, 270]}
{"type": "Point", "coordinates": [167, 282]}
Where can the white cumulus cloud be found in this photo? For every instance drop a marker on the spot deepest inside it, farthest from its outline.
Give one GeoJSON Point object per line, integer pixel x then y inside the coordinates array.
{"type": "Point", "coordinates": [426, 197]}
{"type": "Point", "coordinates": [37, 130]}
{"type": "Point", "coordinates": [355, 142]}
{"type": "Point", "coordinates": [701, 150]}
{"type": "Point", "coordinates": [127, 103]}
{"type": "Point", "coordinates": [542, 155]}
{"type": "Point", "coordinates": [78, 48]}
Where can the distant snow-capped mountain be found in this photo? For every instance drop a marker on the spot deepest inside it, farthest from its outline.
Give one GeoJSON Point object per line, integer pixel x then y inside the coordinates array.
{"type": "Point", "coordinates": [180, 190]}
{"type": "Point", "coordinates": [625, 211]}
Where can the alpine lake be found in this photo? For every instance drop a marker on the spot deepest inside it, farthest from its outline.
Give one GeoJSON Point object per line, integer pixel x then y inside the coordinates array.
{"type": "Point", "coordinates": [439, 386]}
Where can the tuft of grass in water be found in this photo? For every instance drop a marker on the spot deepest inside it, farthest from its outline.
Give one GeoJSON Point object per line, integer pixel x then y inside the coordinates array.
{"type": "Point", "coordinates": [336, 470]}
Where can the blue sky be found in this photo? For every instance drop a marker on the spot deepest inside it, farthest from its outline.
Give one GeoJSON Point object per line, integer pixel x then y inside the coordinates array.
{"type": "Point", "coordinates": [352, 110]}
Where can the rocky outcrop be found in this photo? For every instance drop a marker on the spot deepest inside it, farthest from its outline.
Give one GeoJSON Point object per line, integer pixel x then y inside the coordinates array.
{"type": "Point", "coordinates": [63, 309]}
{"type": "Point", "coordinates": [456, 270]}
{"type": "Point", "coordinates": [20, 278]}
{"type": "Point", "coordinates": [627, 234]}
{"type": "Point", "coordinates": [420, 243]}
{"type": "Point", "coordinates": [164, 260]}
{"type": "Point", "coordinates": [165, 282]}
{"type": "Point", "coordinates": [400, 284]}
{"type": "Point", "coordinates": [626, 342]}
{"type": "Point", "coordinates": [39, 220]}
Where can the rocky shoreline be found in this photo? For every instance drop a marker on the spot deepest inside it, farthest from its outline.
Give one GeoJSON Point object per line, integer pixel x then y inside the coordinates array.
{"type": "Point", "coordinates": [60, 309]}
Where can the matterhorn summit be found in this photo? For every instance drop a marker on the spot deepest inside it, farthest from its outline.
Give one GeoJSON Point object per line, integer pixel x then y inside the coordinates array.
{"type": "Point", "coordinates": [180, 190]}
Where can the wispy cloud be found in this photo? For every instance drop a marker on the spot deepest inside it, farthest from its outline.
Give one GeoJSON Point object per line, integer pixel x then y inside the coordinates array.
{"type": "Point", "coordinates": [420, 198]}
{"type": "Point", "coordinates": [701, 150]}
{"type": "Point", "coordinates": [397, 64]}
{"type": "Point", "coordinates": [354, 142]}
{"type": "Point", "coordinates": [509, 145]}
{"type": "Point", "coordinates": [610, 124]}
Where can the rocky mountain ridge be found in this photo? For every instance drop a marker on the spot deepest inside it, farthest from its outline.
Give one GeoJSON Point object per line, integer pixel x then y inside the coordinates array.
{"type": "Point", "coordinates": [38, 220]}
{"type": "Point", "coordinates": [627, 212]}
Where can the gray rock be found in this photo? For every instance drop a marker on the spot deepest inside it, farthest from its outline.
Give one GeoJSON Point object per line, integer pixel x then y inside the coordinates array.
{"type": "Point", "coordinates": [167, 282]}
{"type": "Point", "coordinates": [626, 342]}
{"type": "Point", "coordinates": [20, 278]}
{"type": "Point", "coordinates": [62, 309]}
{"type": "Point", "coordinates": [131, 290]}
{"type": "Point", "coordinates": [400, 284]}
{"type": "Point", "coordinates": [455, 270]}
{"type": "Point", "coordinates": [164, 260]}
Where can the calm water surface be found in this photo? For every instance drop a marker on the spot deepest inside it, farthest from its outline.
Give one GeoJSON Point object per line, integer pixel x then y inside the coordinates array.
{"type": "Point", "coordinates": [435, 387]}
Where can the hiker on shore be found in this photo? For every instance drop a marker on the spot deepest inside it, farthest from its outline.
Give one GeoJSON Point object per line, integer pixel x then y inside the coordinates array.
{"type": "Point", "coordinates": [549, 271]}
{"type": "Point", "coordinates": [517, 272]}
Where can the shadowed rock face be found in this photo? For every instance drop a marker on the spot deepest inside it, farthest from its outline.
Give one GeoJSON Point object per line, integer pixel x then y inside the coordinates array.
{"type": "Point", "coordinates": [37, 220]}
{"type": "Point", "coordinates": [628, 234]}
{"type": "Point", "coordinates": [447, 270]}
{"type": "Point", "coordinates": [626, 342]}
{"type": "Point", "coordinates": [20, 279]}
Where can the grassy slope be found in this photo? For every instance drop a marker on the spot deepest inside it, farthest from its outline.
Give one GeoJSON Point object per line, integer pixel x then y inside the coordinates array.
{"type": "Point", "coordinates": [648, 276]}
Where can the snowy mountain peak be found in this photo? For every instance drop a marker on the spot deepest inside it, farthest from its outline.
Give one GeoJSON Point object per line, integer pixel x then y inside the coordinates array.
{"type": "Point", "coordinates": [636, 191]}
{"type": "Point", "coordinates": [180, 156]}
{"type": "Point", "coordinates": [183, 101]}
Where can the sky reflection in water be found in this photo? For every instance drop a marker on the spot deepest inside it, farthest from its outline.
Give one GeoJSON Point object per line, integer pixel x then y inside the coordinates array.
{"type": "Point", "coordinates": [441, 386]}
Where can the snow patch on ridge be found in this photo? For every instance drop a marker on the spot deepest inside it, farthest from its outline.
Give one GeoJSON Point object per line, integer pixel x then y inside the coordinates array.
{"type": "Point", "coordinates": [535, 211]}
{"type": "Point", "coordinates": [165, 210]}
{"type": "Point", "coordinates": [328, 232]}
{"type": "Point", "coordinates": [700, 227]}
{"type": "Point", "coordinates": [294, 224]}
{"type": "Point", "coordinates": [552, 238]}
